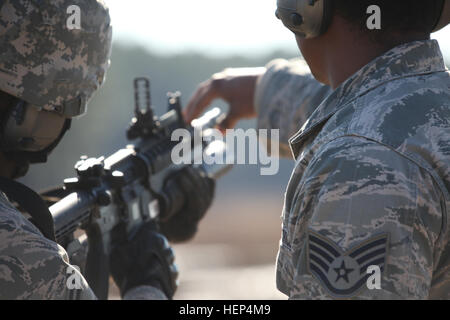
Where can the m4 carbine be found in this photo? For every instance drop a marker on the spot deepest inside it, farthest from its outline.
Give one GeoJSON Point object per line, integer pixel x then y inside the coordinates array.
{"type": "Point", "coordinates": [112, 197]}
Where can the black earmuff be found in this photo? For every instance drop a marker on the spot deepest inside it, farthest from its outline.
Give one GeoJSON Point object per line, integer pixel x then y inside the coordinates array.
{"type": "Point", "coordinates": [306, 18]}
{"type": "Point", "coordinates": [312, 18]}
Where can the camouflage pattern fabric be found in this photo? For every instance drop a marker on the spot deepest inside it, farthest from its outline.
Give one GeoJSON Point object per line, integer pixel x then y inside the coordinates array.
{"type": "Point", "coordinates": [33, 267]}
{"type": "Point", "coordinates": [287, 91]}
{"type": "Point", "coordinates": [371, 182]}
{"type": "Point", "coordinates": [45, 63]}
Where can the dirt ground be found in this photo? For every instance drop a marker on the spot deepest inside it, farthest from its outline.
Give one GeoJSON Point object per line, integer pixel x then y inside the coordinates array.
{"type": "Point", "coordinates": [233, 255]}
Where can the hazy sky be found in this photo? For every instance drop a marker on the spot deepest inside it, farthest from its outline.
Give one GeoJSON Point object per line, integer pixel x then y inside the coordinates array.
{"type": "Point", "coordinates": [214, 27]}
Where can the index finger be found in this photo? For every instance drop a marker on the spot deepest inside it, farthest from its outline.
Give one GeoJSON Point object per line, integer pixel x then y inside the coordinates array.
{"type": "Point", "coordinates": [199, 101]}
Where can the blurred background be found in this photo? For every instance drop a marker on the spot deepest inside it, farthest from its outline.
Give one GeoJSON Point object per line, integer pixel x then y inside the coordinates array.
{"type": "Point", "coordinates": [179, 44]}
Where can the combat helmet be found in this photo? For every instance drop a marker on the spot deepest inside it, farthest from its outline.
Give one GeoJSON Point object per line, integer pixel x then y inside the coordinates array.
{"type": "Point", "coordinates": [51, 65]}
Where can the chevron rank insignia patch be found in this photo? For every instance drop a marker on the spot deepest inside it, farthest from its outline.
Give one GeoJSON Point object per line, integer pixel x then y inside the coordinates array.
{"type": "Point", "coordinates": [344, 274]}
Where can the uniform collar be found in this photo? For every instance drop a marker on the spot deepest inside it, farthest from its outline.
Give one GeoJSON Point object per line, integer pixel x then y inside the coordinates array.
{"type": "Point", "coordinates": [406, 60]}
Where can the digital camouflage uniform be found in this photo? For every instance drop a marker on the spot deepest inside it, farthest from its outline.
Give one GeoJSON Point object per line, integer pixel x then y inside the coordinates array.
{"type": "Point", "coordinates": [33, 267]}
{"type": "Point", "coordinates": [372, 176]}
{"type": "Point", "coordinates": [57, 69]}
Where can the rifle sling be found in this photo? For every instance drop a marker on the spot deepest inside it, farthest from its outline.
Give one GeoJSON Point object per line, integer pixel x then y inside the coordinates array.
{"type": "Point", "coordinates": [32, 203]}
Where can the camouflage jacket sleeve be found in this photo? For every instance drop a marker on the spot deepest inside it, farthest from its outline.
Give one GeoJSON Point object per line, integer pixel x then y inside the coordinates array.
{"type": "Point", "coordinates": [33, 267]}
{"type": "Point", "coordinates": [360, 205]}
{"type": "Point", "coordinates": [285, 96]}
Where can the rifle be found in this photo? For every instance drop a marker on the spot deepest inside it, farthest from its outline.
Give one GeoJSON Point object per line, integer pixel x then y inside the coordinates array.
{"type": "Point", "coordinates": [112, 197]}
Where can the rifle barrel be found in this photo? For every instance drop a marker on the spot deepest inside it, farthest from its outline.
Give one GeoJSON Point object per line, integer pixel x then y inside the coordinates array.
{"type": "Point", "coordinates": [71, 211]}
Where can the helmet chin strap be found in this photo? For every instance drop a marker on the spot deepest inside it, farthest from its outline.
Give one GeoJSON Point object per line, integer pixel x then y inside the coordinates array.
{"type": "Point", "coordinates": [32, 203]}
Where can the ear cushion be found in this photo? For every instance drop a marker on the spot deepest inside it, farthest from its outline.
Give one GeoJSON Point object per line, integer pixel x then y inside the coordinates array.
{"type": "Point", "coordinates": [306, 18]}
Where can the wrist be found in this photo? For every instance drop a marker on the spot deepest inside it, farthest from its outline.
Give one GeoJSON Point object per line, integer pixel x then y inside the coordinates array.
{"type": "Point", "coordinates": [144, 292]}
{"type": "Point", "coordinates": [129, 285]}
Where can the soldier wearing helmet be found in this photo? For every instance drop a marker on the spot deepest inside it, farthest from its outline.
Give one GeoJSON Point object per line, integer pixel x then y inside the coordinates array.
{"type": "Point", "coordinates": [366, 211]}
{"type": "Point", "coordinates": [48, 73]}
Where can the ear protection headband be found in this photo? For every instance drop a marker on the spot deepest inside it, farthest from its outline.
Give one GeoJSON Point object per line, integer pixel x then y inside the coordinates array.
{"type": "Point", "coordinates": [311, 18]}
{"type": "Point", "coordinates": [306, 18]}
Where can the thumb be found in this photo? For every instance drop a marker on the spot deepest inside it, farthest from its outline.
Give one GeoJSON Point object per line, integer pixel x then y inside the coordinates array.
{"type": "Point", "coordinates": [228, 123]}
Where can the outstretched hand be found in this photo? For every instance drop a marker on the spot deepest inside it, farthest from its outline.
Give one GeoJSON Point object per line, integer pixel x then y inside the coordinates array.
{"type": "Point", "coordinates": [235, 86]}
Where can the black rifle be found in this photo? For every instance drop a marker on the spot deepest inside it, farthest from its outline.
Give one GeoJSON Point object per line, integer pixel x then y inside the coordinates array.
{"type": "Point", "coordinates": [112, 197]}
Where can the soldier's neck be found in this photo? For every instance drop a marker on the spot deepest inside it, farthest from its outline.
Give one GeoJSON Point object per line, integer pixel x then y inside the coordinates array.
{"type": "Point", "coordinates": [349, 56]}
